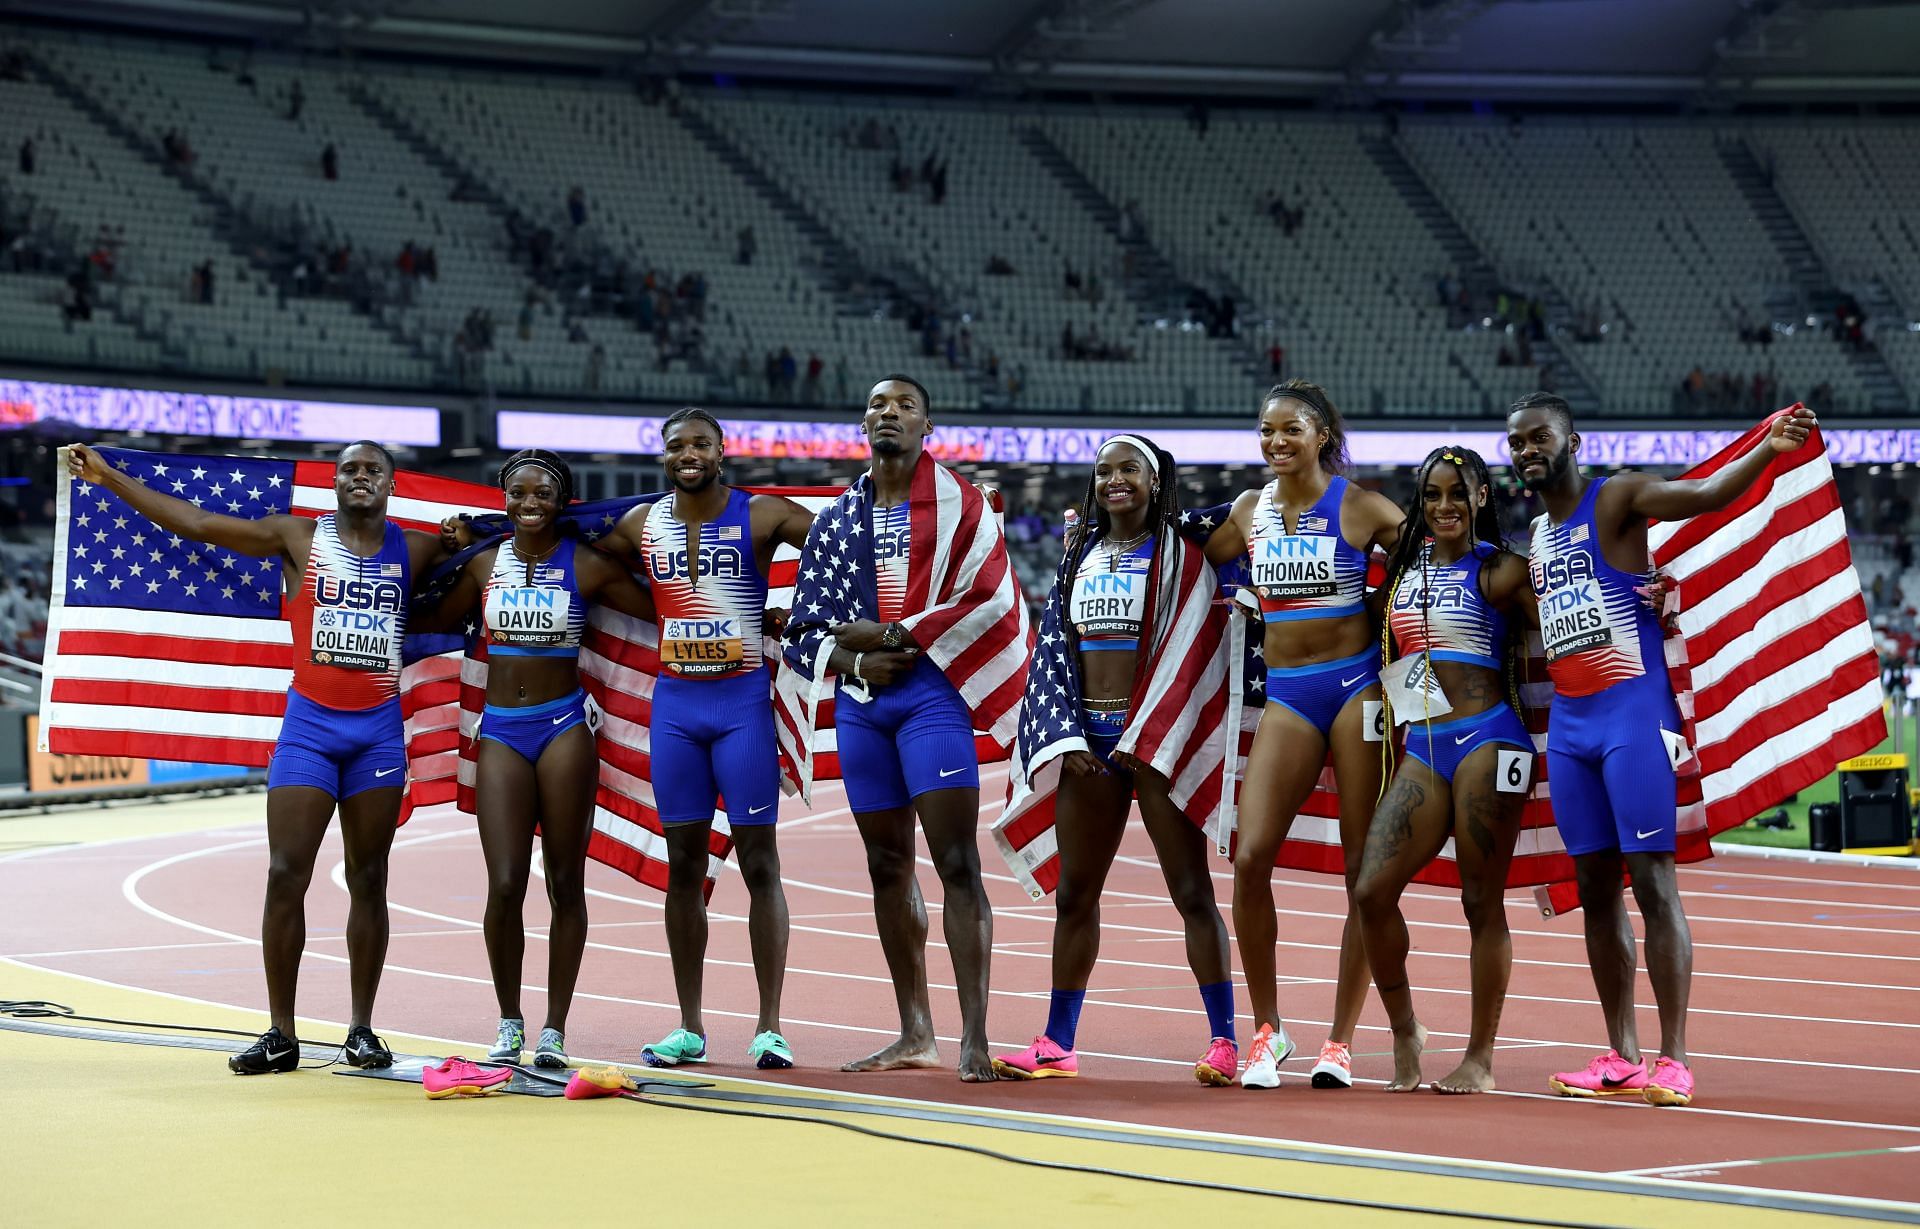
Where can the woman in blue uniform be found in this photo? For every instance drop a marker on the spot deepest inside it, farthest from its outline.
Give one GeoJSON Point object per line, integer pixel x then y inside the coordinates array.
{"type": "Point", "coordinates": [538, 765]}
{"type": "Point", "coordinates": [1119, 580]}
{"type": "Point", "coordinates": [1306, 537]}
{"type": "Point", "coordinates": [1457, 600]}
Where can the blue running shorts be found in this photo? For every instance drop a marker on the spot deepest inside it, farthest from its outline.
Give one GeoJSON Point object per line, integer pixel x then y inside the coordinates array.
{"type": "Point", "coordinates": [1608, 767]}
{"type": "Point", "coordinates": [1442, 745]}
{"type": "Point", "coordinates": [1318, 692]}
{"type": "Point", "coordinates": [529, 730]}
{"type": "Point", "coordinates": [341, 751]}
{"type": "Point", "coordinates": [909, 739]}
{"type": "Point", "coordinates": [714, 737]}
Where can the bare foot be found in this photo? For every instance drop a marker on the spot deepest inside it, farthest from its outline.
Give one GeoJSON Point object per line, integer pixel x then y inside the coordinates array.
{"type": "Point", "coordinates": [902, 1055]}
{"type": "Point", "coordinates": [1472, 1075]}
{"type": "Point", "coordinates": [976, 1067]}
{"type": "Point", "coordinates": [1407, 1049]}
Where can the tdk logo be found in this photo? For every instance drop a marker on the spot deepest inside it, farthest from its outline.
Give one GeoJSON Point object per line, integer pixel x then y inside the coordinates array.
{"type": "Point", "coordinates": [357, 594]}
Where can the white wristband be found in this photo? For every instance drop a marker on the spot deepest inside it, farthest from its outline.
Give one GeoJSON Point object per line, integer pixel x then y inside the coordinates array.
{"type": "Point", "coordinates": [857, 658]}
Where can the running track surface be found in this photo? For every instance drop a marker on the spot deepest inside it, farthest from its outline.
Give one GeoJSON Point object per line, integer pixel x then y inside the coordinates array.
{"type": "Point", "coordinates": [1804, 1032]}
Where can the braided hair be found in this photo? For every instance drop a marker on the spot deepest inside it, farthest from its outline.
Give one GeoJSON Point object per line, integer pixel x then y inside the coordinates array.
{"type": "Point", "coordinates": [1333, 453]}
{"type": "Point", "coordinates": [1415, 550]}
{"type": "Point", "coordinates": [1163, 523]}
{"type": "Point", "coordinates": [547, 462]}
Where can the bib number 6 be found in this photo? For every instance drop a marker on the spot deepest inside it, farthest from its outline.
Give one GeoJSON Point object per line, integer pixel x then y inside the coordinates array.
{"type": "Point", "coordinates": [1512, 771]}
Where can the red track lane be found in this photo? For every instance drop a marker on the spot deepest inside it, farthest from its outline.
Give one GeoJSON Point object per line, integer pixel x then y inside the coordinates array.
{"type": "Point", "coordinates": [1805, 1028]}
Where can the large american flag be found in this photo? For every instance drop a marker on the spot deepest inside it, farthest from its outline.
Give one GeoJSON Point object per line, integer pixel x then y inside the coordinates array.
{"type": "Point", "coordinates": [968, 616]}
{"type": "Point", "coordinates": [164, 648]}
{"type": "Point", "coordinates": [1177, 724]}
{"type": "Point", "coordinates": [150, 656]}
{"type": "Point", "coordinates": [1770, 655]}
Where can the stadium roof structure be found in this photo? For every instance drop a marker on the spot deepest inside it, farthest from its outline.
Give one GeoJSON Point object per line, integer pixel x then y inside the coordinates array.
{"type": "Point", "coordinates": [1618, 50]}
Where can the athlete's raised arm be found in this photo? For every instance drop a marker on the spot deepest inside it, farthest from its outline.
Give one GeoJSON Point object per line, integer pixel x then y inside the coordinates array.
{"type": "Point", "coordinates": [282, 535]}
{"type": "Point", "coordinates": [1676, 499]}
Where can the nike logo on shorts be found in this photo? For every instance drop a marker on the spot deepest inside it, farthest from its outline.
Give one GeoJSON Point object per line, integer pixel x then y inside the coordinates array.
{"type": "Point", "coordinates": [1464, 738]}
{"type": "Point", "coordinates": [948, 772]}
{"type": "Point", "coordinates": [757, 810]}
{"type": "Point", "coordinates": [385, 772]}
{"type": "Point", "coordinates": [1350, 682]}
{"type": "Point", "coordinates": [562, 717]}
{"type": "Point", "coordinates": [1641, 836]}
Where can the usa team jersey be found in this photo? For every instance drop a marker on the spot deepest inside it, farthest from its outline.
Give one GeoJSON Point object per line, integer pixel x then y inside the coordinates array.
{"type": "Point", "coordinates": [349, 617]}
{"type": "Point", "coordinates": [1312, 572]}
{"type": "Point", "coordinates": [1108, 603]}
{"type": "Point", "coordinates": [1438, 609]}
{"type": "Point", "coordinates": [710, 627]}
{"type": "Point", "coordinates": [533, 609]}
{"type": "Point", "coordinates": [892, 536]}
{"type": "Point", "coordinates": [1597, 630]}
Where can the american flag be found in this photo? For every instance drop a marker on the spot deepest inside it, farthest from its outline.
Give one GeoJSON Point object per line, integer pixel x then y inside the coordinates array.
{"type": "Point", "coordinates": [1770, 655]}
{"type": "Point", "coordinates": [1177, 724]}
{"type": "Point", "coordinates": [164, 648]}
{"type": "Point", "coordinates": [189, 670]}
{"type": "Point", "coordinates": [619, 663]}
{"type": "Point", "coordinates": [969, 617]}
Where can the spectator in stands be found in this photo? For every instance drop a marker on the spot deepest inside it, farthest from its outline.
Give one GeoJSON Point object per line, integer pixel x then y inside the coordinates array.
{"type": "Point", "coordinates": [938, 184]}
{"type": "Point", "coordinates": [206, 280]}
{"type": "Point", "coordinates": [296, 100]}
{"type": "Point", "coordinates": [430, 264]}
{"type": "Point", "coordinates": [789, 372]}
{"type": "Point", "coordinates": [330, 161]}
{"type": "Point", "coordinates": [841, 376]}
{"type": "Point", "coordinates": [1902, 547]}
{"type": "Point", "coordinates": [770, 371]}
{"type": "Point", "coordinates": [408, 262]}
{"type": "Point", "coordinates": [27, 158]}
{"type": "Point", "coordinates": [810, 391]}
{"type": "Point", "coordinates": [744, 246]}
{"type": "Point", "coordinates": [1073, 282]}
{"type": "Point", "coordinates": [596, 366]}
{"type": "Point", "coordinates": [900, 174]}
{"type": "Point", "coordinates": [178, 151]}
{"type": "Point", "coordinates": [76, 298]}
{"type": "Point", "coordinates": [13, 67]}
{"type": "Point", "coordinates": [1276, 360]}
{"type": "Point", "coordinates": [577, 205]}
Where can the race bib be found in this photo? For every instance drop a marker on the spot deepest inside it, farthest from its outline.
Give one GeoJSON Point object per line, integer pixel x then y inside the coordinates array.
{"type": "Point", "coordinates": [1573, 619]}
{"type": "Point", "coordinates": [355, 639]}
{"type": "Point", "coordinates": [704, 645]}
{"type": "Point", "coordinates": [1108, 603]}
{"type": "Point", "coordinates": [528, 615]}
{"type": "Point", "coordinates": [1512, 771]}
{"type": "Point", "coordinates": [1373, 717]}
{"type": "Point", "coordinates": [1413, 690]}
{"type": "Point", "coordinates": [1677, 751]}
{"type": "Point", "coordinates": [1294, 566]}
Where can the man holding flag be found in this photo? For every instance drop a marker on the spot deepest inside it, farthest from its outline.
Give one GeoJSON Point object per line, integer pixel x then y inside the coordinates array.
{"type": "Point", "coordinates": [908, 602]}
{"type": "Point", "coordinates": [1615, 738]}
{"type": "Point", "coordinates": [348, 575]}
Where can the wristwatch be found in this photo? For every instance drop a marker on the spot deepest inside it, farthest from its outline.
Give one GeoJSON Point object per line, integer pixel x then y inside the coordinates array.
{"type": "Point", "coordinates": [893, 636]}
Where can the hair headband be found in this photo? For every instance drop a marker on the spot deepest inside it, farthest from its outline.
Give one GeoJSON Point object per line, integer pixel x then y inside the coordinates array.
{"type": "Point", "coordinates": [1138, 445]}
{"type": "Point", "coordinates": [553, 471]}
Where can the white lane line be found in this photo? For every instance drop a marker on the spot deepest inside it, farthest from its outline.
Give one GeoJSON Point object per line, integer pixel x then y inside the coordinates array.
{"type": "Point", "coordinates": [1749, 1163]}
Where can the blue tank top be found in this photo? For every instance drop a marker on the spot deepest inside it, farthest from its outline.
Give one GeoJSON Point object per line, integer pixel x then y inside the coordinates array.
{"type": "Point", "coordinates": [1312, 572]}
{"type": "Point", "coordinates": [534, 609]}
{"type": "Point", "coordinates": [1438, 609]}
{"type": "Point", "coordinates": [1598, 630]}
{"type": "Point", "coordinates": [710, 627]}
{"type": "Point", "coordinates": [1108, 602]}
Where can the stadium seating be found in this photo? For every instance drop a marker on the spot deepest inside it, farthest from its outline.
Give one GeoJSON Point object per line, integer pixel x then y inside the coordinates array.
{"type": "Point", "coordinates": [1638, 222]}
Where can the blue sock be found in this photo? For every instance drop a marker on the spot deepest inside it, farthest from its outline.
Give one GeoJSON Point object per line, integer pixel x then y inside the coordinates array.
{"type": "Point", "coordinates": [1219, 1003]}
{"type": "Point", "coordinates": [1063, 1016]}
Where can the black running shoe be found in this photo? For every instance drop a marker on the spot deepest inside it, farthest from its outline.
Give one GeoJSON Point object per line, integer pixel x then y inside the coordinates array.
{"type": "Point", "coordinates": [273, 1053]}
{"type": "Point", "coordinates": [365, 1049]}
